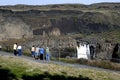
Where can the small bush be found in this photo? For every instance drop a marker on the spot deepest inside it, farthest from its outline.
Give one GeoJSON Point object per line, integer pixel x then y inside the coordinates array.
{"type": "Point", "coordinates": [82, 61]}
{"type": "Point", "coordinates": [7, 49]}
{"type": "Point", "coordinates": [27, 52]}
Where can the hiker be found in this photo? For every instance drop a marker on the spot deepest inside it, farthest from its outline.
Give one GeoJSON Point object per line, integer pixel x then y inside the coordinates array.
{"type": "Point", "coordinates": [33, 51]}
{"type": "Point", "coordinates": [15, 49]}
{"type": "Point", "coordinates": [36, 53]}
{"type": "Point", "coordinates": [41, 53]}
{"type": "Point", "coordinates": [19, 49]}
{"type": "Point", "coordinates": [0, 47]}
{"type": "Point", "coordinates": [47, 54]}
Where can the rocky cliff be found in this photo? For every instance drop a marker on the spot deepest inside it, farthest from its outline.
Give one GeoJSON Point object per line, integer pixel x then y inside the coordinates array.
{"type": "Point", "coordinates": [87, 22]}
{"type": "Point", "coordinates": [14, 28]}
{"type": "Point", "coordinates": [68, 19]}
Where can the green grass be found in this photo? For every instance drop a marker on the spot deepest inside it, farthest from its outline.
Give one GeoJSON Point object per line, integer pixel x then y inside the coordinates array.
{"type": "Point", "coordinates": [18, 68]}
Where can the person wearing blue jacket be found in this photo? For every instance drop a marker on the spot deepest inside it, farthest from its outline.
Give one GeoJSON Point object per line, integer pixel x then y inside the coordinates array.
{"type": "Point", "coordinates": [41, 53]}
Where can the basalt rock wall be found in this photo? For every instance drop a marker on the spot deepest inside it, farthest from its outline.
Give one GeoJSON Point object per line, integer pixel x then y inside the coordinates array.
{"type": "Point", "coordinates": [103, 50]}
{"type": "Point", "coordinates": [65, 21]}
{"type": "Point", "coordinates": [14, 28]}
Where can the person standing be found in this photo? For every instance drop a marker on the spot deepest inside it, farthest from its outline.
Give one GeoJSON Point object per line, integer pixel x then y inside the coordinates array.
{"type": "Point", "coordinates": [15, 49]}
{"type": "Point", "coordinates": [41, 53]}
{"type": "Point", "coordinates": [19, 50]}
{"type": "Point", "coordinates": [0, 47]}
{"type": "Point", "coordinates": [36, 53]}
{"type": "Point", "coordinates": [33, 51]}
{"type": "Point", "coordinates": [47, 54]}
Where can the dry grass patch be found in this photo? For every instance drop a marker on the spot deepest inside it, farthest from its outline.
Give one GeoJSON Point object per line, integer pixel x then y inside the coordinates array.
{"type": "Point", "coordinates": [22, 67]}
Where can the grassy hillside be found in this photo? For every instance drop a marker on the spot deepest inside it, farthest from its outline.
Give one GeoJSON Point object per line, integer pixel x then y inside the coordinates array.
{"type": "Point", "coordinates": [16, 68]}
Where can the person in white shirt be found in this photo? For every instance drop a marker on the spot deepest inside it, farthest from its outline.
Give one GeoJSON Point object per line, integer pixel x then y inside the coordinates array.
{"type": "Point", "coordinates": [37, 52]}
{"type": "Point", "coordinates": [33, 51]}
{"type": "Point", "coordinates": [15, 49]}
{"type": "Point", "coordinates": [19, 48]}
{"type": "Point", "coordinates": [0, 47]}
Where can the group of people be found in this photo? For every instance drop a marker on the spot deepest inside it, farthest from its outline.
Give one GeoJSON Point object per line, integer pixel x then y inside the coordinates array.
{"type": "Point", "coordinates": [41, 53]}
{"type": "Point", "coordinates": [36, 52]}
{"type": "Point", "coordinates": [17, 49]}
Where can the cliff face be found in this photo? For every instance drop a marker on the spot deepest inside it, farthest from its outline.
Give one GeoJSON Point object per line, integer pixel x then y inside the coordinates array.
{"type": "Point", "coordinates": [67, 19]}
{"type": "Point", "coordinates": [73, 22]}
{"type": "Point", "coordinates": [101, 23]}
{"type": "Point", "coordinates": [14, 28]}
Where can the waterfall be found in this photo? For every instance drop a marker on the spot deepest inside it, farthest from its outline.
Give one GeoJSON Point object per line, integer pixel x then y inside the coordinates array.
{"type": "Point", "coordinates": [83, 51]}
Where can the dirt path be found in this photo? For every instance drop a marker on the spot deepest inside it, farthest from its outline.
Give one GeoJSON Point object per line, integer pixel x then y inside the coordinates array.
{"type": "Point", "coordinates": [58, 63]}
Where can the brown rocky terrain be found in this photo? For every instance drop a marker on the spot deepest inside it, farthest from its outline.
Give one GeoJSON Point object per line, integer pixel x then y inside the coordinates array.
{"type": "Point", "coordinates": [93, 23]}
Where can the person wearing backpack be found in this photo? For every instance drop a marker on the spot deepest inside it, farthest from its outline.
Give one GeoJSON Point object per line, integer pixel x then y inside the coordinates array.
{"type": "Point", "coordinates": [47, 54]}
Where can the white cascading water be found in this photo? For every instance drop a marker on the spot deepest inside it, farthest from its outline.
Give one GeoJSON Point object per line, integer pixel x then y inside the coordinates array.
{"type": "Point", "coordinates": [83, 51]}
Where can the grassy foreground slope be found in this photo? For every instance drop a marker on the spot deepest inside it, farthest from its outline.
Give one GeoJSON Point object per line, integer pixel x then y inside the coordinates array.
{"type": "Point", "coordinates": [16, 68]}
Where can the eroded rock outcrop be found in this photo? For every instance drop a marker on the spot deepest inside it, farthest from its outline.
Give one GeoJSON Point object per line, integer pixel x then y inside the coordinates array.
{"type": "Point", "coordinates": [14, 28]}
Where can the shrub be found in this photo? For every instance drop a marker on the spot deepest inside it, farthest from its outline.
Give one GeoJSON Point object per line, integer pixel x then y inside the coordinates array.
{"type": "Point", "coordinates": [7, 49]}
{"type": "Point", "coordinates": [27, 52]}
{"type": "Point", "coordinates": [82, 61]}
